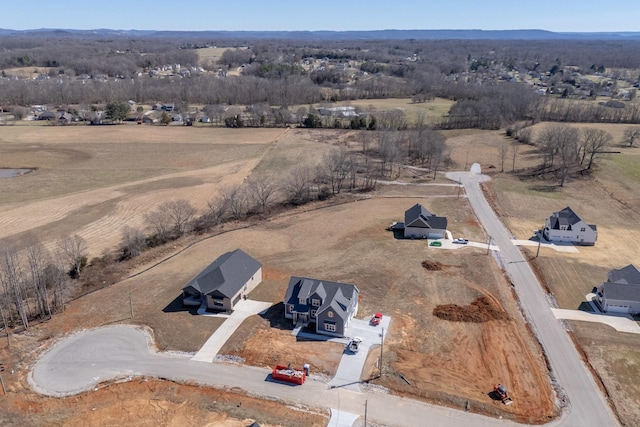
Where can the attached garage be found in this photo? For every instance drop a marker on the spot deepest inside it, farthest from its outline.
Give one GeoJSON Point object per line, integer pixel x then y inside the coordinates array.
{"type": "Point", "coordinates": [621, 293]}
{"type": "Point", "coordinates": [419, 223]}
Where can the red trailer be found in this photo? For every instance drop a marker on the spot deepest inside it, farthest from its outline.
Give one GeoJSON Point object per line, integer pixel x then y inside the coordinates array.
{"type": "Point", "coordinates": [288, 374]}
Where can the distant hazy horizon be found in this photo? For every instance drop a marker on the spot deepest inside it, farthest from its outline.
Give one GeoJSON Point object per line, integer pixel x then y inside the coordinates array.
{"type": "Point", "coordinates": [331, 15]}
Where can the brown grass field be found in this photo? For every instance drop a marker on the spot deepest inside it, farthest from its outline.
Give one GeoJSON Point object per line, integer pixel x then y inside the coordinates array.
{"type": "Point", "coordinates": [447, 362]}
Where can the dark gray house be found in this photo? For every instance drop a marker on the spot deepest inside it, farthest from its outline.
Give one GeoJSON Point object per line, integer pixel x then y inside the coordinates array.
{"type": "Point", "coordinates": [621, 292]}
{"type": "Point", "coordinates": [420, 223]}
{"type": "Point", "coordinates": [224, 282]}
{"type": "Point", "coordinates": [329, 305]}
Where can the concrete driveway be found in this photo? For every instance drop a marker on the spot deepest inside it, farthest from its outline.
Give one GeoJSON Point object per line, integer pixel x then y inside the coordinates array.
{"type": "Point", "coordinates": [242, 310]}
{"type": "Point", "coordinates": [351, 364]}
{"type": "Point", "coordinates": [621, 323]}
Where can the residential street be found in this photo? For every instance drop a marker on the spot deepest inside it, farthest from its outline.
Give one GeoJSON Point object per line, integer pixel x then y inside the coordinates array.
{"type": "Point", "coordinates": [586, 404]}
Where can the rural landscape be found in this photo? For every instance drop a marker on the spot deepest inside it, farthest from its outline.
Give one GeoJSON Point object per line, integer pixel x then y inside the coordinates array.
{"type": "Point", "coordinates": [130, 163]}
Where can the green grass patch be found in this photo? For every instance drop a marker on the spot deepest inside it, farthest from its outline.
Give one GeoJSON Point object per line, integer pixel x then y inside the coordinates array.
{"type": "Point", "coordinates": [629, 164]}
{"type": "Point", "coordinates": [537, 189]}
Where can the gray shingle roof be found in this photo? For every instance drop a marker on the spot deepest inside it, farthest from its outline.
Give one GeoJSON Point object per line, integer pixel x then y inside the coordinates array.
{"type": "Point", "coordinates": [226, 275]}
{"type": "Point", "coordinates": [622, 291]}
{"type": "Point", "coordinates": [336, 295]}
{"type": "Point", "coordinates": [625, 275]}
{"type": "Point", "coordinates": [566, 217]}
{"type": "Point", "coordinates": [419, 216]}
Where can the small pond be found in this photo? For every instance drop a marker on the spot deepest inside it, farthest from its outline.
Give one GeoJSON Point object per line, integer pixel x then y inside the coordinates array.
{"type": "Point", "coordinates": [10, 173]}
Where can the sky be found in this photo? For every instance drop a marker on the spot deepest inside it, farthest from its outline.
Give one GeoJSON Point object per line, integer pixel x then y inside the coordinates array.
{"type": "Point", "coordinates": [289, 15]}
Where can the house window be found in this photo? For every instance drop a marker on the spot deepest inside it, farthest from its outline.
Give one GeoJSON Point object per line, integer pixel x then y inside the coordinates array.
{"type": "Point", "coordinates": [315, 302]}
{"type": "Point", "coordinates": [330, 327]}
{"type": "Point", "coordinates": [563, 227]}
{"type": "Point", "coordinates": [290, 308]}
{"type": "Point", "coordinates": [583, 229]}
{"type": "Point", "coordinates": [313, 313]}
{"type": "Point", "coordinates": [329, 313]}
{"type": "Point", "coordinates": [302, 300]}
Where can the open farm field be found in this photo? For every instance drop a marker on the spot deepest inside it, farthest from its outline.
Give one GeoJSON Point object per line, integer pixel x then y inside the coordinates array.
{"type": "Point", "coordinates": [609, 198]}
{"type": "Point", "coordinates": [94, 180]}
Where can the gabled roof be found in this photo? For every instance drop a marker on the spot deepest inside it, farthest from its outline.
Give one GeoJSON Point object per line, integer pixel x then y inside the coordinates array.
{"type": "Point", "coordinates": [628, 275]}
{"type": "Point", "coordinates": [622, 291]}
{"type": "Point", "coordinates": [226, 275]}
{"type": "Point", "coordinates": [419, 216]}
{"type": "Point", "coordinates": [566, 217]}
{"type": "Point", "coordinates": [337, 295]}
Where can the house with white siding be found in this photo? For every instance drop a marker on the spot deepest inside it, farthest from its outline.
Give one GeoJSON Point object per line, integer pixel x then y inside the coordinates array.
{"type": "Point", "coordinates": [566, 226]}
{"type": "Point", "coordinates": [621, 292]}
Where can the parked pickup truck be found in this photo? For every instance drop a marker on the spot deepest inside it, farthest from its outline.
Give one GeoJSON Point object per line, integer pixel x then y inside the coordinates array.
{"type": "Point", "coordinates": [288, 374]}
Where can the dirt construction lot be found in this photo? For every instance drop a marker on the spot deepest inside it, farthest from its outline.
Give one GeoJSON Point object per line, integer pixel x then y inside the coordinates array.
{"type": "Point", "coordinates": [445, 361]}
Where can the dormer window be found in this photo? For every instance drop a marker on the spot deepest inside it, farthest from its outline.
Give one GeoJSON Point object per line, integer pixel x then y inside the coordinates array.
{"type": "Point", "coordinates": [329, 313]}
{"type": "Point", "coordinates": [302, 300]}
{"type": "Point", "coordinates": [315, 302]}
{"type": "Point", "coordinates": [563, 227]}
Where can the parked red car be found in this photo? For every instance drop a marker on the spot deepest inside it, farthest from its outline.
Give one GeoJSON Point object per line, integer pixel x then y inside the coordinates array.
{"type": "Point", "coordinates": [375, 320]}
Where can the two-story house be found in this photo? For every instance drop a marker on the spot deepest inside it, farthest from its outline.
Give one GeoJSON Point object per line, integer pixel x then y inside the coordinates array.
{"type": "Point", "coordinates": [567, 226]}
{"type": "Point", "coordinates": [328, 305]}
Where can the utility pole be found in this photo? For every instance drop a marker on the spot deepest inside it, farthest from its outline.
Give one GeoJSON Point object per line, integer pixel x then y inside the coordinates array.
{"type": "Point", "coordinates": [4, 391]}
{"type": "Point", "coordinates": [488, 245]}
{"type": "Point", "coordinates": [365, 413]}
{"type": "Point", "coordinates": [539, 243]}
{"type": "Point", "coordinates": [131, 305]}
{"type": "Point", "coordinates": [381, 347]}
{"type": "Point", "coordinates": [459, 186]}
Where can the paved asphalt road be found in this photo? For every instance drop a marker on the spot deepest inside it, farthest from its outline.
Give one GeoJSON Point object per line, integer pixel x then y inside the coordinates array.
{"type": "Point", "coordinates": [586, 404]}
{"type": "Point", "coordinates": [84, 360]}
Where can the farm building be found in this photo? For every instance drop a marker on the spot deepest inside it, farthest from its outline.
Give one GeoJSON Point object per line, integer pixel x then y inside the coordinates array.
{"type": "Point", "coordinates": [566, 226]}
{"type": "Point", "coordinates": [224, 282]}
{"type": "Point", "coordinates": [621, 292]}
{"type": "Point", "coordinates": [420, 223]}
{"type": "Point", "coordinates": [329, 305]}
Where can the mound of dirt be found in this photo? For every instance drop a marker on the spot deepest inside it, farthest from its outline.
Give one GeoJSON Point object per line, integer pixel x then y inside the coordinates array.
{"type": "Point", "coordinates": [480, 310]}
{"type": "Point", "coordinates": [433, 265]}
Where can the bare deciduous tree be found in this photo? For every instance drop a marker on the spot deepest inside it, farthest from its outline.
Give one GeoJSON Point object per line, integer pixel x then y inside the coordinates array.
{"type": "Point", "coordinates": [631, 135]}
{"type": "Point", "coordinates": [335, 168]}
{"type": "Point", "coordinates": [38, 258]}
{"type": "Point", "coordinates": [235, 198]}
{"type": "Point", "coordinates": [261, 191]}
{"type": "Point", "coordinates": [298, 184]}
{"type": "Point", "coordinates": [181, 213]}
{"type": "Point", "coordinates": [503, 150]}
{"type": "Point", "coordinates": [133, 242]}
{"type": "Point", "coordinates": [160, 223]}
{"type": "Point", "coordinates": [73, 250]}
{"type": "Point", "coordinates": [514, 156]}
{"type": "Point", "coordinates": [593, 143]}
{"type": "Point", "coordinates": [12, 279]}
